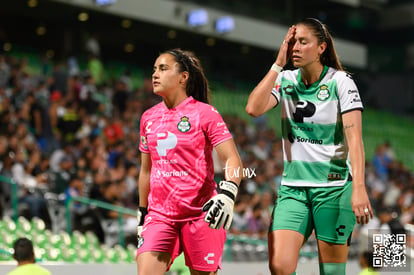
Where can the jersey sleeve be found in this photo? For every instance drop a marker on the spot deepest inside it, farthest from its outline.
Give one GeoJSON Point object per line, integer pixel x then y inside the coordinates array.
{"type": "Point", "coordinates": [214, 126]}
{"type": "Point", "coordinates": [143, 126]}
{"type": "Point", "coordinates": [349, 98]}
{"type": "Point", "coordinates": [276, 88]}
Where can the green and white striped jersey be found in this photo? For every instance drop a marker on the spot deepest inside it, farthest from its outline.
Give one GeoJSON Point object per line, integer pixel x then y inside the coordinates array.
{"type": "Point", "coordinates": [314, 146]}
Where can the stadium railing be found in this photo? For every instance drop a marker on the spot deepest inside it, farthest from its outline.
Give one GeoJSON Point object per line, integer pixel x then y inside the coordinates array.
{"type": "Point", "coordinates": [13, 185]}
{"type": "Point", "coordinates": [96, 203]}
{"type": "Point", "coordinates": [91, 202]}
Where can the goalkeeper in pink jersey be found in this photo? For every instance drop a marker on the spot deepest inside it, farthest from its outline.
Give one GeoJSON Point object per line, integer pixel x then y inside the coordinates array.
{"type": "Point", "coordinates": [180, 207]}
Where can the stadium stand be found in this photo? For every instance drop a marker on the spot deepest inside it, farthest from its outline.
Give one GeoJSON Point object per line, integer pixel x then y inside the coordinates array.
{"type": "Point", "coordinates": [55, 244]}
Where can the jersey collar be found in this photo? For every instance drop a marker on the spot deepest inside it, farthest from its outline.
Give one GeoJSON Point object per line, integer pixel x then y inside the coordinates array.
{"type": "Point", "coordinates": [180, 105]}
{"type": "Point", "coordinates": [315, 84]}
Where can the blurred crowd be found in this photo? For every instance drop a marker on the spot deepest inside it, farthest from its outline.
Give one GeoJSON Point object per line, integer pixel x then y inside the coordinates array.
{"type": "Point", "coordinates": [389, 182]}
{"type": "Point", "coordinates": [65, 134]}
{"type": "Point", "coordinates": [71, 132]}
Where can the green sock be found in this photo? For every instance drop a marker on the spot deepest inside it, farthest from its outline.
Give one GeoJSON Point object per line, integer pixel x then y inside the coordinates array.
{"type": "Point", "coordinates": [332, 268]}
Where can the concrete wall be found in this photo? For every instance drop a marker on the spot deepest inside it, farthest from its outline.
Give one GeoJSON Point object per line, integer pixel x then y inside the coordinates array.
{"type": "Point", "coordinates": [229, 268]}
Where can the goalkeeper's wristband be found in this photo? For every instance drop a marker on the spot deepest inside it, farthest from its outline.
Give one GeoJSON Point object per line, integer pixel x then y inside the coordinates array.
{"type": "Point", "coordinates": [229, 189]}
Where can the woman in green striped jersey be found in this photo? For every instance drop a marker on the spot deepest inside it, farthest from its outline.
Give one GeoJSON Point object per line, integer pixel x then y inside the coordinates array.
{"type": "Point", "coordinates": [323, 187]}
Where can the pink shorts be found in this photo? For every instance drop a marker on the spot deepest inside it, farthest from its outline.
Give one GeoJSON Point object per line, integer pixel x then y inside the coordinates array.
{"type": "Point", "coordinates": [202, 246]}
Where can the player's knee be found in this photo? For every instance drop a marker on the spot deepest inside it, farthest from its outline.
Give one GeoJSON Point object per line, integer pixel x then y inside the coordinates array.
{"type": "Point", "coordinates": [280, 268]}
{"type": "Point", "coordinates": [332, 268]}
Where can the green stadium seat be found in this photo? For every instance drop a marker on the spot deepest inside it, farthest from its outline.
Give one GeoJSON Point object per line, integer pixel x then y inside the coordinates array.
{"type": "Point", "coordinates": [38, 224]}
{"type": "Point", "coordinates": [111, 255]}
{"type": "Point", "coordinates": [8, 238]}
{"type": "Point", "coordinates": [54, 240]}
{"type": "Point", "coordinates": [92, 239]}
{"type": "Point", "coordinates": [39, 251]}
{"type": "Point", "coordinates": [79, 239]}
{"type": "Point", "coordinates": [132, 250]}
{"type": "Point", "coordinates": [66, 239]}
{"type": "Point", "coordinates": [84, 255]}
{"type": "Point", "coordinates": [123, 255]}
{"type": "Point", "coordinates": [98, 255]}
{"type": "Point", "coordinates": [53, 254]}
{"type": "Point", "coordinates": [39, 238]}
{"type": "Point", "coordinates": [23, 225]}
{"type": "Point", "coordinates": [5, 253]}
{"type": "Point", "coordinates": [68, 254]}
{"type": "Point", "coordinates": [9, 224]}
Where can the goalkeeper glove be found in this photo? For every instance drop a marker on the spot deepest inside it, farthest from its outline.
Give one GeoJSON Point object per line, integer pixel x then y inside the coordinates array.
{"type": "Point", "coordinates": [220, 207]}
{"type": "Point", "coordinates": [141, 213]}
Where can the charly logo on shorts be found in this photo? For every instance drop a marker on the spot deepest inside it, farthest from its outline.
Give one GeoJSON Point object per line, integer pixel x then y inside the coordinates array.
{"type": "Point", "coordinates": [323, 93]}
{"type": "Point", "coordinates": [140, 242]}
{"type": "Point", "coordinates": [184, 125]}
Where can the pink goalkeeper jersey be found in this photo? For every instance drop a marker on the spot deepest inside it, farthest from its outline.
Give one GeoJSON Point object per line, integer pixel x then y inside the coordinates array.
{"type": "Point", "coordinates": [180, 141]}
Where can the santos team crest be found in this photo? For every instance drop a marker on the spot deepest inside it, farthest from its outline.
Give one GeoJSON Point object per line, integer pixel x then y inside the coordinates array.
{"type": "Point", "coordinates": [323, 93]}
{"type": "Point", "coordinates": [184, 125]}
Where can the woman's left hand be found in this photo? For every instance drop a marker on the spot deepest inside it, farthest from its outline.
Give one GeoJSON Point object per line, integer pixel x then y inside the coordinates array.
{"type": "Point", "coordinates": [361, 205]}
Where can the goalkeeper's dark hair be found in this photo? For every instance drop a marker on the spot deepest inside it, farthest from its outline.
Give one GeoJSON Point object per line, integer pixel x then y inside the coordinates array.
{"type": "Point", "coordinates": [197, 84]}
{"type": "Point", "coordinates": [23, 250]}
{"type": "Point", "coordinates": [329, 56]}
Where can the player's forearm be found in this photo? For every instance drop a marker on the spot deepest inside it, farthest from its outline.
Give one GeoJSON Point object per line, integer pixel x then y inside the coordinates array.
{"type": "Point", "coordinates": [353, 133]}
{"type": "Point", "coordinates": [357, 157]}
{"type": "Point", "coordinates": [258, 102]}
{"type": "Point", "coordinates": [227, 152]}
{"type": "Point", "coordinates": [144, 179]}
{"type": "Point", "coordinates": [234, 170]}
{"type": "Point", "coordinates": [143, 188]}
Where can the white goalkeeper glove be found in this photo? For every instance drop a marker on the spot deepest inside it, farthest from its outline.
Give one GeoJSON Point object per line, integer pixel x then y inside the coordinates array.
{"type": "Point", "coordinates": [220, 207]}
{"type": "Point", "coordinates": [141, 213]}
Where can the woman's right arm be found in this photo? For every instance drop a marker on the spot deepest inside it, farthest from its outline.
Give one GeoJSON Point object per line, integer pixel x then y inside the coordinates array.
{"type": "Point", "coordinates": [261, 99]}
{"type": "Point", "coordinates": [144, 179]}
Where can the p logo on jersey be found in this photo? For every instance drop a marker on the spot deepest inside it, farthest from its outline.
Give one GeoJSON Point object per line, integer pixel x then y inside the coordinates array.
{"type": "Point", "coordinates": [323, 93]}
{"type": "Point", "coordinates": [184, 125]}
